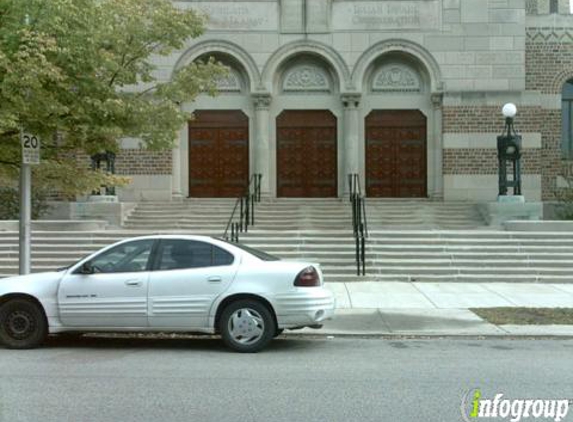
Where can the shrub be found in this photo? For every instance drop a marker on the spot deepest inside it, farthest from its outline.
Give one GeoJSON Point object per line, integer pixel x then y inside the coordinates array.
{"type": "Point", "coordinates": [10, 204]}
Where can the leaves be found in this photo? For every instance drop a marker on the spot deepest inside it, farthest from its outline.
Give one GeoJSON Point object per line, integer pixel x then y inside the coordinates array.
{"type": "Point", "coordinates": [81, 75]}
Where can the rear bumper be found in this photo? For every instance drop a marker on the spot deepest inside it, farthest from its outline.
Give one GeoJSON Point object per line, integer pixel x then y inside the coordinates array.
{"type": "Point", "coordinates": [305, 306]}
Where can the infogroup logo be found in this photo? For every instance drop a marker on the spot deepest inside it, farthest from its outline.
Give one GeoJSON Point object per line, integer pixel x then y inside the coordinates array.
{"type": "Point", "coordinates": [475, 407]}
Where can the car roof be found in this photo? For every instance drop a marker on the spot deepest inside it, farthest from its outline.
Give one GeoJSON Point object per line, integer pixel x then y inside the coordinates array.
{"type": "Point", "coordinates": [172, 236]}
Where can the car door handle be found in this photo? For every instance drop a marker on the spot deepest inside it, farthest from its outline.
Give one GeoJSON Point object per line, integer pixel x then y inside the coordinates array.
{"type": "Point", "coordinates": [133, 283]}
{"type": "Point", "coordinates": [214, 279]}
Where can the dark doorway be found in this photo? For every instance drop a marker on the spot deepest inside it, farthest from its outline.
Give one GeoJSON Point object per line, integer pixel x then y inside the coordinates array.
{"type": "Point", "coordinates": [396, 154]}
{"type": "Point", "coordinates": [218, 153]}
{"type": "Point", "coordinates": [306, 154]}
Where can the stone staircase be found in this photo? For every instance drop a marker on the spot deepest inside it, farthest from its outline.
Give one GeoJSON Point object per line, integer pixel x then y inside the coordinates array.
{"type": "Point", "coordinates": [211, 215]}
{"type": "Point", "coordinates": [409, 240]}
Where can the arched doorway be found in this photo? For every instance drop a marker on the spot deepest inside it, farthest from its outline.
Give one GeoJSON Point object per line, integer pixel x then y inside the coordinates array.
{"type": "Point", "coordinates": [396, 154]}
{"type": "Point", "coordinates": [567, 119]}
{"type": "Point", "coordinates": [218, 153]}
{"type": "Point", "coordinates": [306, 154]}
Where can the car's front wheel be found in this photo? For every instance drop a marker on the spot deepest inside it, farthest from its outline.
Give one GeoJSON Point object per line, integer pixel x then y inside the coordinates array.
{"type": "Point", "coordinates": [22, 324]}
{"type": "Point", "coordinates": [247, 326]}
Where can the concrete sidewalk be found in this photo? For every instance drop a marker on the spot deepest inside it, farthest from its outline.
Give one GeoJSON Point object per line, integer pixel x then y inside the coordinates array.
{"type": "Point", "coordinates": [440, 309]}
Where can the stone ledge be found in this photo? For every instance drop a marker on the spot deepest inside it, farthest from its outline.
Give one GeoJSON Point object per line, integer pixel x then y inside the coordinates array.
{"type": "Point", "coordinates": [56, 225]}
{"type": "Point", "coordinates": [498, 213]}
{"type": "Point", "coordinates": [538, 226]}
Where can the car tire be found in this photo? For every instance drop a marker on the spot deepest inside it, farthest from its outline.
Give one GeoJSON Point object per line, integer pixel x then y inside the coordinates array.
{"type": "Point", "coordinates": [23, 324]}
{"type": "Point", "coordinates": [279, 331]}
{"type": "Point", "coordinates": [247, 326]}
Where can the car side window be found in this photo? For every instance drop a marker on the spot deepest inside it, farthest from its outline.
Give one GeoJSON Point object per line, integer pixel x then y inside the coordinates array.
{"type": "Point", "coordinates": [182, 254]}
{"type": "Point", "coordinates": [127, 257]}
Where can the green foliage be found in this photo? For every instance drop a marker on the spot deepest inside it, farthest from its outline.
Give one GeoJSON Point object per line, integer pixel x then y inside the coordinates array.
{"type": "Point", "coordinates": [80, 74]}
{"type": "Point", "coordinates": [10, 204]}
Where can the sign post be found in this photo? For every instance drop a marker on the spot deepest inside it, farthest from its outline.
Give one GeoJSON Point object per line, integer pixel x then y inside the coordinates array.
{"type": "Point", "coordinates": [30, 156]}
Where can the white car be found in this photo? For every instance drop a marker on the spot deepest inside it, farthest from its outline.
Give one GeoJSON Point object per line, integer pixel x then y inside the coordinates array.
{"type": "Point", "coordinates": [167, 283]}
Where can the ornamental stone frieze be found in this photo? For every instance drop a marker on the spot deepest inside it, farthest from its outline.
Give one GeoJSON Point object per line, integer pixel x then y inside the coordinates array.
{"type": "Point", "coordinates": [549, 35]}
{"type": "Point", "coordinates": [396, 78]}
{"type": "Point", "coordinates": [306, 78]}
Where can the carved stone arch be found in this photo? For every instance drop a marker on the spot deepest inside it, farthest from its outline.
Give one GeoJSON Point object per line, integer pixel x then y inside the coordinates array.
{"type": "Point", "coordinates": [559, 80]}
{"type": "Point", "coordinates": [318, 50]}
{"type": "Point", "coordinates": [408, 49]}
{"type": "Point", "coordinates": [221, 47]}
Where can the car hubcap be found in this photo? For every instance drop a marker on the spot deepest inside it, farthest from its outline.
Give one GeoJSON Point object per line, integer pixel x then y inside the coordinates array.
{"type": "Point", "coordinates": [20, 324]}
{"type": "Point", "coordinates": [246, 326]}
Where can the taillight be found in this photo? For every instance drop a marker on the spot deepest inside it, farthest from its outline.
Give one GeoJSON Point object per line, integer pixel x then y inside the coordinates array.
{"type": "Point", "coordinates": [307, 278]}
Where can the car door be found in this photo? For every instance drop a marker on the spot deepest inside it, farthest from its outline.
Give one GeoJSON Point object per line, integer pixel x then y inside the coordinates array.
{"type": "Point", "coordinates": [115, 294]}
{"type": "Point", "coordinates": [188, 276]}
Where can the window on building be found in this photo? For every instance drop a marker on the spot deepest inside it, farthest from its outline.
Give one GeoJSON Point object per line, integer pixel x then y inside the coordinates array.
{"type": "Point", "coordinates": [567, 119]}
{"type": "Point", "coordinates": [553, 6]}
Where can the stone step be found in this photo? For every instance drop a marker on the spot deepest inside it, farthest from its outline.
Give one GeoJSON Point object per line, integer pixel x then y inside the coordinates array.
{"type": "Point", "coordinates": [375, 235]}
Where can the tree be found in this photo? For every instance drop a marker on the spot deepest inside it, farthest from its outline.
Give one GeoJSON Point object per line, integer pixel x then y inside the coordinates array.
{"type": "Point", "coordinates": [80, 74]}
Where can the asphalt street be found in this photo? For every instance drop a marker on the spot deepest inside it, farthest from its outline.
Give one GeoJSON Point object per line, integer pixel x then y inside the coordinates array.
{"type": "Point", "coordinates": [295, 379]}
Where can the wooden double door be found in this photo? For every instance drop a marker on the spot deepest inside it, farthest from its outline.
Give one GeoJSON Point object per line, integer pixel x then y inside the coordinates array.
{"type": "Point", "coordinates": [306, 154]}
{"type": "Point", "coordinates": [396, 154]}
{"type": "Point", "coordinates": [218, 153]}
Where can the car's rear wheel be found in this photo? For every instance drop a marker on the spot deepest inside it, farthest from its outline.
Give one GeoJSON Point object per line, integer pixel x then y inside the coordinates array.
{"type": "Point", "coordinates": [247, 326]}
{"type": "Point", "coordinates": [22, 324]}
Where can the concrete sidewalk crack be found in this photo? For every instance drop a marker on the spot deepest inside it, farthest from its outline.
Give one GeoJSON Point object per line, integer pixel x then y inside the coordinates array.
{"type": "Point", "coordinates": [386, 324]}
{"type": "Point", "coordinates": [484, 285]}
{"type": "Point", "coordinates": [348, 295]}
{"type": "Point", "coordinates": [426, 296]}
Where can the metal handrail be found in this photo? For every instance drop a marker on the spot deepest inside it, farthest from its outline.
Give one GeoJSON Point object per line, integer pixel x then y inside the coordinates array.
{"type": "Point", "coordinates": [359, 222]}
{"type": "Point", "coordinates": [246, 204]}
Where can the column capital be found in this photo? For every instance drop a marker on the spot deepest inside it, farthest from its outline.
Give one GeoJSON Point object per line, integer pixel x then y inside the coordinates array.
{"type": "Point", "coordinates": [262, 101]}
{"type": "Point", "coordinates": [350, 100]}
{"type": "Point", "coordinates": [437, 99]}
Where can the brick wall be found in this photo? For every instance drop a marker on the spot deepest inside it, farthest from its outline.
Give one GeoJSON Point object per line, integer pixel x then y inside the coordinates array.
{"type": "Point", "coordinates": [143, 162]}
{"type": "Point", "coordinates": [484, 161]}
{"type": "Point", "coordinates": [489, 119]}
{"type": "Point", "coordinates": [548, 65]}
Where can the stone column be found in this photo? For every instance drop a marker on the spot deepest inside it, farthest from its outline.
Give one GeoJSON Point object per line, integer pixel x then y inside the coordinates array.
{"type": "Point", "coordinates": [176, 193]}
{"type": "Point", "coordinates": [351, 149]}
{"type": "Point", "coordinates": [437, 149]}
{"type": "Point", "coordinates": [262, 157]}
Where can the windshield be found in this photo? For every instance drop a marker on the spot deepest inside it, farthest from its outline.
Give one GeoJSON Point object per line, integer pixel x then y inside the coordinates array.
{"type": "Point", "coordinates": [259, 254]}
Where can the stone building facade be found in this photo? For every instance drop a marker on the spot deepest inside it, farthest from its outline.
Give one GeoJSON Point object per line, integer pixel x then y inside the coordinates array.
{"type": "Point", "coordinates": [408, 94]}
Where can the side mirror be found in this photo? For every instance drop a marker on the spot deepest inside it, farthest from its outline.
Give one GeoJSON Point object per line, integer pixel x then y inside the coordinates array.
{"type": "Point", "coordinates": [86, 269]}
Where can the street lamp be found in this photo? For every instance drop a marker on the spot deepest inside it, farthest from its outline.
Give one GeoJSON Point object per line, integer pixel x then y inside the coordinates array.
{"type": "Point", "coordinates": [509, 153]}
{"type": "Point", "coordinates": [104, 161]}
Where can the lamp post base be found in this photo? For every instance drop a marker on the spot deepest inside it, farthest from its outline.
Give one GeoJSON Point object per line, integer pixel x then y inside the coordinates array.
{"type": "Point", "coordinates": [511, 199]}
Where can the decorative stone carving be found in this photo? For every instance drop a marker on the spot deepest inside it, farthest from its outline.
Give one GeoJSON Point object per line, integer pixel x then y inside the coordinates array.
{"type": "Point", "coordinates": [230, 82]}
{"type": "Point", "coordinates": [306, 78]}
{"type": "Point", "coordinates": [350, 100]}
{"type": "Point", "coordinates": [437, 99]}
{"type": "Point", "coordinates": [396, 78]}
{"type": "Point", "coordinates": [549, 35]}
{"type": "Point", "coordinates": [262, 101]}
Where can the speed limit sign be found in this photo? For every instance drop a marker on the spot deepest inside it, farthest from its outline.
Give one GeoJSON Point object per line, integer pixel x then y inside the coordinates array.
{"type": "Point", "coordinates": [30, 148]}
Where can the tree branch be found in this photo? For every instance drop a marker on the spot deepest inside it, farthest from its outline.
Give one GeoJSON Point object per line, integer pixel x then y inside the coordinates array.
{"type": "Point", "coordinates": [10, 133]}
{"type": "Point", "coordinates": [10, 163]}
{"type": "Point", "coordinates": [122, 64]}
